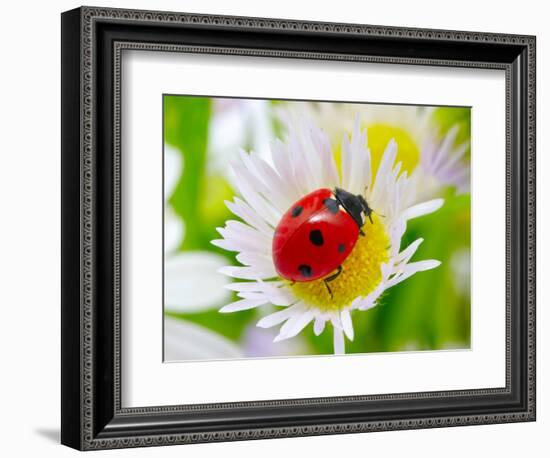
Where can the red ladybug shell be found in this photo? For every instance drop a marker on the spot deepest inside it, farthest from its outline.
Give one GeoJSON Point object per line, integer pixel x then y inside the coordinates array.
{"type": "Point", "coordinates": [313, 237]}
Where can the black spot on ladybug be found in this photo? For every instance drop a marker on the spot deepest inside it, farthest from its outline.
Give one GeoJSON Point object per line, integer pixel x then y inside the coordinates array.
{"type": "Point", "coordinates": [296, 211]}
{"type": "Point", "coordinates": [341, 248]}
{"type": "Point", "coordinates": [332, 205]}
{"type": "Point", "coordinates": [305, 270]}
{"type": "Point", "coordinates": [316, 237]}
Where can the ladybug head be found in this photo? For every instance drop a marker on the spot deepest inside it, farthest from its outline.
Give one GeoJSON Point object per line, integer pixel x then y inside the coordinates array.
{"type": "Point", "coordinates": [355, 205]}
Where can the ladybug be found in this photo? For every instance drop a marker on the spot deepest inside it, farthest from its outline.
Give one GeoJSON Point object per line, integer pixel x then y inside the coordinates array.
{"type": "Point", "coordinates": [317, 234]}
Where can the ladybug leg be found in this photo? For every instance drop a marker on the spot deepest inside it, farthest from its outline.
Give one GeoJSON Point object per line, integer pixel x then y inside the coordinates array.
{"type": "Point", "coordinates": [328, 289]}
{"type": "Point", "coordinates": [335, 275]}
{"type": "Point", "coordinates": [332, 278]}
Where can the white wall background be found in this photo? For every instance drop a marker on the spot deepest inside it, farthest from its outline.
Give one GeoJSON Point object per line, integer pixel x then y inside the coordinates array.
{"type": "Point", "coordinates": [30, 214]}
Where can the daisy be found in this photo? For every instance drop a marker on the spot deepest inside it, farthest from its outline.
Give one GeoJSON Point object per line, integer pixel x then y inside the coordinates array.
{"type": "Point", "coordinates": [303, 163]}
{"type": "Point", "coordinates": [441, 163]}
{"type": "Point", "coordinates": [431, 157]}
{"type": "Point", "coordinates": [185, 341]}
{"type": "Point", "coordinates": [237, 122]}
{"type": "Point", "coordinates": [191, 280]}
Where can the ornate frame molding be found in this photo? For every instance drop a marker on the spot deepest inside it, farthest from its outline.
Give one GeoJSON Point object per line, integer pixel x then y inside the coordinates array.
{"type": "Point", "coordinates": [92, 431]}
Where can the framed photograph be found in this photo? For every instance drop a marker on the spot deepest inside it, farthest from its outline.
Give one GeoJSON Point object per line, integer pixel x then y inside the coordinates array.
{"type": "Point", "coordinates": [276, 228]}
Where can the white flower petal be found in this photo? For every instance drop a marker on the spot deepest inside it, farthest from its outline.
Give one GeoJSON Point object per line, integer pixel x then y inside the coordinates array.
{"type": "Point", "coordinates": [339, 343]}
{"type": "Point", "coordinates": [224, 244]}
{"type": "Point", "coordinates": [412, 268]}
{"type": "Point", "coordinates": [244, 229]}
{"type": "Point", "coordinates": [246, 273]}
{"type": "Point", "coordinates": [386, 268]}
{"type": "Point", "coordinates": [277, 187]}
{"type": "Point", "coordinates": [258, 203]}
{"type": "Point", "coordinates": [192, 283]}
{"type": "Point", "coordinates": [294, 325]}
{"type": "Point", "coordinates": [279, 296]}
{"type": "Point", "coordinates": [396, 231]}
{"type": "Point", "coordinates": [336, 320]}
{"type": "Point", "coordinates": [238, 242]}
{"type": "Point", "coordinates": [408, 252]}
{"type": "Point", "coordinates": [275, 294]}
{"type": "Point", "coordinates": [460, 178]}
{"type": "Point", "coordinates": [453, 159]}
{"type": "Point", "coordinates": [243, 211]}
{"type": "Point", "coordinates": [244, 304]}
{"type": "Point", "coordinates": [277, 317]}
{"type": "Point", "coordinates": [173, 230]}
{"type": "Point", "coordinates": [185, 341]}
{"type": "Point", "coordinates": [300, 155]}
{"type": "Point", "coordinates": [258, 261]}
{"type": "Point", "coordinates": [346, 164]}
{"type": "Point", "coordinates": [173, 168]}
{"type": "Point", "coordinates": [356, 303]}
{"type": "Point", "coordinates": [266, 184]}
{"type": "Point", "coordinates": [386, 164]}
{"type": "Point", "coordinates": [319, 326]}
{"type": "Point", "coordinates": [252, 296]}
{"type": "Point", "coordinates": [240, 237]}
{"type": "Point", "coordinates": [370, 301]}
{"type": "Point", "coordinates": [360, 161]}
{"type": "Point", "coordinates": [284, 167]}
{"type": "Point", "coordinates": [423, 208]}
{"type": "Point", "coordinates": [261, 126]}
{"type": "Point", "coordinates": [258, 343]}
{"type": "Point", "coordinates": [445, 147]}
{"type": "Point", "coordinates": [420, 266]}
{"type": "Point", "coordinates": [326, 159]}
{"type": "Point", "coordinates": [347, 325]}
{"type": "Point", "coordinates": [253, 286]}
{"type": "Point", "coordinates": [311, 154]}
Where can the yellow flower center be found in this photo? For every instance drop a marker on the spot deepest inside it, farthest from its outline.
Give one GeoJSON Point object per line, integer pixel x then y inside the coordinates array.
{"type": "Point", "coordinates": [360, 275]}
{"type": "Point", "coordinates": [408, 151]}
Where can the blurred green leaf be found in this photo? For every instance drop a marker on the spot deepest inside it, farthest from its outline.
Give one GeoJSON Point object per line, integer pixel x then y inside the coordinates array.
{"type": "Point", "coordinates": [186, 128]}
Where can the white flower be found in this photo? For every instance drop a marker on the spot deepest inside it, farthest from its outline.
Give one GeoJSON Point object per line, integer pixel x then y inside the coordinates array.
{"type": "Point", "coordinates": [304, 163]}
{"type": "Point", "coordinates": [185, 341]}
{"type": "Point", "coordinates": [429, 156]}
{"type": "Point", "coordinates": [258, 343]}
{"type": "Point", "coordinates": [183, 272]}
{"type": "Point", "coordinates": [191, 280]}
{"type": "Point", "coordinates": [236, 122]}
{"type": "Point", "coordinates": [443, 164]}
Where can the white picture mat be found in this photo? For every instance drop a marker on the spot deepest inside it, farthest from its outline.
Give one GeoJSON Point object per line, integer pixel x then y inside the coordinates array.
{"type": "Point", "coordinates": [147, 381]}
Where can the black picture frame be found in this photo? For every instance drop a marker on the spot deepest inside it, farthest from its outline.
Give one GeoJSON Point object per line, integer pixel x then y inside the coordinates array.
{"type": "Point", "coordinates": [92, 42]}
